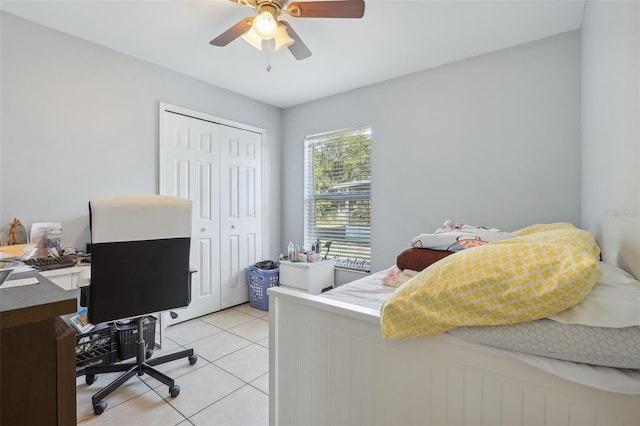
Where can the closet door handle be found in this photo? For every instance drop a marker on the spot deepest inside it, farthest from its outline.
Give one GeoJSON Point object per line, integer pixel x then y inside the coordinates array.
{"type": "Point", "coordinates": [203, 229]}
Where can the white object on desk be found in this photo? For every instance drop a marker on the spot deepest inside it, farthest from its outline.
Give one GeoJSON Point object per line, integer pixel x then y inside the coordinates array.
{"type": "Point", "coordinates": [69, 278]}
{"type": "Point", "coordinates": [19, 282]}
{"type": "Point", "coordinates": [310, 277]}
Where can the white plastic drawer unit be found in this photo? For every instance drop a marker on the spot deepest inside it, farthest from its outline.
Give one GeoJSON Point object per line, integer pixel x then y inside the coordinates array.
{"type": "Point", "coordinates": [69, 278]}
{"type": "Point", "coordinates": [309, 277]}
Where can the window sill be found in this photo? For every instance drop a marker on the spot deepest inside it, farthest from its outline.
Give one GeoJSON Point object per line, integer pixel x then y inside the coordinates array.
{"type": "Point", "coordinates": [356, 271]}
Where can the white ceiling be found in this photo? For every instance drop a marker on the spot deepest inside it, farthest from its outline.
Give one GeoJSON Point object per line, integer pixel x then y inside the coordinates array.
{"type": "Point", "coordinates": [393, 39]}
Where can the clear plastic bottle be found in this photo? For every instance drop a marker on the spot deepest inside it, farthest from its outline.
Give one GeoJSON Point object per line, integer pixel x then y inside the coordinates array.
{"type": "Point", "coordinates": [290, 251]}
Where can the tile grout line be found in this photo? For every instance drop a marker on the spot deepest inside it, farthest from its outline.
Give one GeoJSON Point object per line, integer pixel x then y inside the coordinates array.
{"type": "Point", "coordinates": [220, 399]}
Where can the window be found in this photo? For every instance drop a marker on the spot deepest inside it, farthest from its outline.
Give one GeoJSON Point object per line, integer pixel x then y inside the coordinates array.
{"type": "Point", "coordinates": [338, 196]}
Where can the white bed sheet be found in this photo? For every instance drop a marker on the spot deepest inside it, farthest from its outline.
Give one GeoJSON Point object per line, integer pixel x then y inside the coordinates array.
{"type": "Point", "coordinates": [369, 292]}
{"type": "Point", "coordinates": [614, 302]}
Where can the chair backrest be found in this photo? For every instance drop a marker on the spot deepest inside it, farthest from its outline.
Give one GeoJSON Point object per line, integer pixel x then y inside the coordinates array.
{"type": "Point", "coordinates": [140, 248]}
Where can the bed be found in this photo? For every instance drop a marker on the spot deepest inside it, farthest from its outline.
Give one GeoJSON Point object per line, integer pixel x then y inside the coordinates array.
{"type": "Point", "coordinates": [330, 365]}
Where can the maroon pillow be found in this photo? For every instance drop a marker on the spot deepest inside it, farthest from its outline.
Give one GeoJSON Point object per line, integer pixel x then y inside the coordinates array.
{"type": "Point", "coordinates": [419, 258]}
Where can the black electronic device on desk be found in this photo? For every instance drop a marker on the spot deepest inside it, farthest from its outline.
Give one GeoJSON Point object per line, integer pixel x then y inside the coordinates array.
{"type": "Point", "coordinates": [47, 263]}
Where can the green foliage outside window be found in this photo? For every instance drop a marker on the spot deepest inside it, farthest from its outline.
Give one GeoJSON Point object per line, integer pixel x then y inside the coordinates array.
{"type": "Point", "coordinates": [338, 177]}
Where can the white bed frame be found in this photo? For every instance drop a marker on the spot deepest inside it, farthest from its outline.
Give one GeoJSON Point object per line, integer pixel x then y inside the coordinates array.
{"type": "Point", "coordinates": [329, 365]}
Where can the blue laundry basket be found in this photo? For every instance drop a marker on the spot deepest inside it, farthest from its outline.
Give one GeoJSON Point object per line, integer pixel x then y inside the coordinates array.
{"type": "Point", "coordinates": [259, 280]}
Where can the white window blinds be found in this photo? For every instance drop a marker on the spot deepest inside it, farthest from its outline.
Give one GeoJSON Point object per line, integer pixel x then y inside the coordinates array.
{"type": "Point", "coordinates": [338, 196]}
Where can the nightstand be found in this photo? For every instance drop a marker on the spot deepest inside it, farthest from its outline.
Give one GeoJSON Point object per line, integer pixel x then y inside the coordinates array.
{"type": "Point", "coordinates": [310, 277]}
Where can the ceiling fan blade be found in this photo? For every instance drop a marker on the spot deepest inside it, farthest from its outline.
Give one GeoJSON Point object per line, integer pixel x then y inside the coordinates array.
{"type": "Point", "coordinates": [232, 33]}
{"type": "Point", "coordinates": [250, 3]}
{"type": "Point", "coordinates": [299, 50]}
{"type": "Point", "coordinates": [327, 9]}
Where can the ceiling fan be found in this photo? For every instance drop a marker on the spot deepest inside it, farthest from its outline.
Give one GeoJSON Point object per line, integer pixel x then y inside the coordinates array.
{"type": "Point", "coordinates": [265, 25]}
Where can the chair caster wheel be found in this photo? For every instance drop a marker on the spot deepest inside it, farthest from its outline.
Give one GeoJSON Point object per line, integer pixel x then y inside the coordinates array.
{"type": "Point", "coordinates": [89, 379]}
{"type": "Point", "coordinates": [99, 407]}
{"type": "Point", "coordinates": [193, 359]}
{"type": "Point", "coordinates": [174, 391]}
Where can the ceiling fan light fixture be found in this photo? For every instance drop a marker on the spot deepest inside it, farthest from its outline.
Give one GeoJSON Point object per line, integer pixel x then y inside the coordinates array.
{"type": "Point", "coordinates": [265, 24]}
{"type": "Point", "coordinates": [253, 38]}
{"type": "Point", "coordinates": [282, 38]}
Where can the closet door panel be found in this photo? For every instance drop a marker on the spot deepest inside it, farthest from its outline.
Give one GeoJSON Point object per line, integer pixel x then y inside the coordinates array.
{"type": "Point", "coordinates": [242, 187]}
{"type": "Point", "coordinates": [190, 155]}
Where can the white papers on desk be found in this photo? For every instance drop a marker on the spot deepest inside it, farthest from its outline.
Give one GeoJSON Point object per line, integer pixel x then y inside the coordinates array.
{"type": "Point", "coordinates": [18, 251]}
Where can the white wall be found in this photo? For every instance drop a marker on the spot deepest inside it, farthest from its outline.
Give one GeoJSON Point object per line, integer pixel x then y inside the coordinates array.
{"type": "Point", "coordinates": [492, 140]}
{"type": "Point", "coordinates": [610, 133]}
{"type": "Point", "coordinates": [81, 121]}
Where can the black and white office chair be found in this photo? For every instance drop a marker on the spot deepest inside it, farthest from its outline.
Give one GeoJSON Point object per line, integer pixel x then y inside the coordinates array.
{"type": "Point", "coordinates": [139, 266]}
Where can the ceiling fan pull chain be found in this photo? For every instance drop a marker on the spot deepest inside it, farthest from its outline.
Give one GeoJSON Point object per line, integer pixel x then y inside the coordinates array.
{"type": "Point", "coordinates": [268, 55]}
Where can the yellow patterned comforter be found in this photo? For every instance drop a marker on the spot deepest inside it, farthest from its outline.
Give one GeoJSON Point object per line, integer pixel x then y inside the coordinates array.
{"type": "Point", "coordinates": [522, 279]}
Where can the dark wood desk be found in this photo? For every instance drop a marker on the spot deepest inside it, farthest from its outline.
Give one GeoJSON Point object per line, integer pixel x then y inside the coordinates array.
{"type": "Point", "coordinates": [37, 355]}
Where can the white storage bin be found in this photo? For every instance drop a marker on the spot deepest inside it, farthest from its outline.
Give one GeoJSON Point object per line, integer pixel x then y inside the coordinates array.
{"type": "Point", "coordinates": [310, 277]}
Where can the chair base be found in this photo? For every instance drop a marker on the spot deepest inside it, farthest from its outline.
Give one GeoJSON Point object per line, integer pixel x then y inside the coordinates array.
{"type": "Point", "coordinates": [139, 367]}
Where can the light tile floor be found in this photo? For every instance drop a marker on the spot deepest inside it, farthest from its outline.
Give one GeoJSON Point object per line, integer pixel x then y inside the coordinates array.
{"type": "Point", "coordinates": [228, 385]}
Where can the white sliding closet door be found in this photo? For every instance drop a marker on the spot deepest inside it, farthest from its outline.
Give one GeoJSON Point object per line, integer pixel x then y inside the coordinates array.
{"type": "Point", "coordinates": [241, 211]}
{"type": "Point", "coordinates": [191, 170]}
{"type": "Point", "coordinates": [218, 167]}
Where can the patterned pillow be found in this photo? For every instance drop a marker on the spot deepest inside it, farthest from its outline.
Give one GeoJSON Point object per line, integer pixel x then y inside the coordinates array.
{"type": "Point", "coordinates": [491, 284]}
{"type": "Point", "coordinates": [572, 237]}
{"type": "Point", "coordinates": [540, 227]}
{"type": "Point", "coordinates": [611, 347]}
{"type": "Point", "coordinates": [454, 236]}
